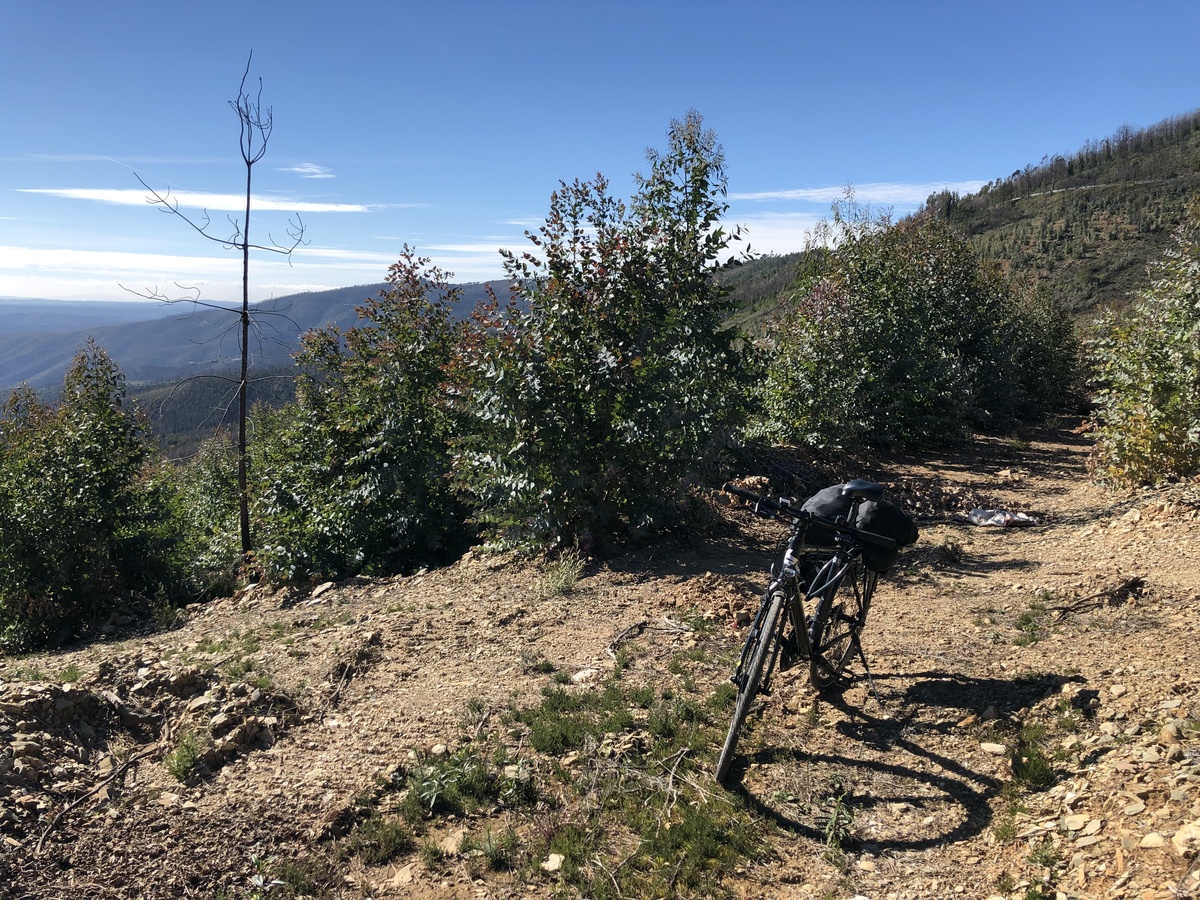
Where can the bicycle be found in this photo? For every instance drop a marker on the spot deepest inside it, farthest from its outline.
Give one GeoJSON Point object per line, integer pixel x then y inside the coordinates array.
{"type": "Point", "coordinates": [822, 556]}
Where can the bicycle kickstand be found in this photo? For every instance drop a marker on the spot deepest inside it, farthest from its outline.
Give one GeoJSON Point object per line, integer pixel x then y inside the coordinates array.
{"type": "Point", "coordinates": [866, 668]}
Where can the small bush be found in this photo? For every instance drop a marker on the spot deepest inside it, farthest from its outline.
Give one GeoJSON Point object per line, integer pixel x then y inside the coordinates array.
{"type": "Point", "coordinates": [1147, 365]}
{"type": "Point", "coordinates": [350, 478]}
{"type": "Point", "coordinates": [85, 518]}
{"type": "Point", "coordinates": [181, 761]}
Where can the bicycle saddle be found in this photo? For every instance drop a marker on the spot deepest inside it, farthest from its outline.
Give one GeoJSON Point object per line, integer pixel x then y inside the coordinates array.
{"type": "Point", "coordinates": [858, 489]}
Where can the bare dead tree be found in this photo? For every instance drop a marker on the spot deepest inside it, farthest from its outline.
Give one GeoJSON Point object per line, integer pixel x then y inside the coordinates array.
{"type": "Point", "coordinates": [256, 126]}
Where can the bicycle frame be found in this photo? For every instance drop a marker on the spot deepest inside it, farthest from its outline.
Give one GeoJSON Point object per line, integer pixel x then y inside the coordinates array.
{"type": "Point", "coordinates": [835, 563]}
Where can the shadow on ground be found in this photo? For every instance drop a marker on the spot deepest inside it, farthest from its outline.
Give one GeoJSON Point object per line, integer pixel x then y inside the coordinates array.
{"type": "Point", "coordinates": [888, 764]}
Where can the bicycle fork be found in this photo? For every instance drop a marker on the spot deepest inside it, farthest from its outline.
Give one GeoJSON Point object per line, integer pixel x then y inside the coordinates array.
{"type": "Point", "coordinates": [764, 630]}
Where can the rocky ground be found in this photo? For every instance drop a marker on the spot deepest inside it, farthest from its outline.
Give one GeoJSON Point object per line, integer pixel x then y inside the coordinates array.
{"type": "Point", "coordinates": [1036, 731]}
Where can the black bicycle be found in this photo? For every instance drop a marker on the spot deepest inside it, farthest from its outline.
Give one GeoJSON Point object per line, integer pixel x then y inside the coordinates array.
{"type": "Point", "coordinates": [822, 569]}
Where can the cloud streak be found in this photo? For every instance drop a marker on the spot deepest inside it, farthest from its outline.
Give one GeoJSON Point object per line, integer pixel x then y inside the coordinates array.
{"type": "Point", "coordinates": [897, 193]}
{"type": "Point", "coordinates": [68, 273]}
{"type": "Point", "coordinates": [309, 170]}
{"type": "Point", "coordinates": [197, 200]}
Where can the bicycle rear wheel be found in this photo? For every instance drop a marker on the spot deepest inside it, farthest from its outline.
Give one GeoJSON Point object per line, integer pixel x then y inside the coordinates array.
{"type": "Point", "coordinates": [838, 623]}
{"type": "Point", "coordinates": [761, 645]}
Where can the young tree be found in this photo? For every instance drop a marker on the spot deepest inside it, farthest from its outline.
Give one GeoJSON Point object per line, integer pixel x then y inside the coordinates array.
{"type": "Point", "coordinates": [1147, 362]}
{"type": "Point", "coordinates": [256, 126]}
{"type": "Point", "coordinates": [82, 518]}
{"type": "Point", "coordinates": [351, 477]}
{"type": "Point", "coordinates": [609, 378]}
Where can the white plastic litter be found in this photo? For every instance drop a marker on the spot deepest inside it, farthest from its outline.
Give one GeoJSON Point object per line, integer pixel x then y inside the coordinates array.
{"type": "Point", "coordinates": [1000, 517]}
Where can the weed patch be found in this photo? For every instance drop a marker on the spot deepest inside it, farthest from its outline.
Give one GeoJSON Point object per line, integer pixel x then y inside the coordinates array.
{"type": "Point", "coordinates": [1031, 767]}
{"type": "Point", "coordinates": [306, 876]}
{"type": "Point", "coordinates": [463, 783]}
{"type": "Point", "coordinates": [839, 817]}
{"type": "Point", "coordinates": [638, 788]}
{"type": "Point", "coordinates": [1033, 624]}
{"type": "Point", "coordinates": [377, 840]}
{"type": "Point", "coordinates": [182, 760]}
{"type": "Point", "coordinates": [560, 575]}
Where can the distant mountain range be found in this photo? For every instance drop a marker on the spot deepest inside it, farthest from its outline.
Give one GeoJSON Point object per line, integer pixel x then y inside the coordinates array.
{"type": "Point", "coordinates": [153, 343]}
{"type": "Point", "coordinates": [22, 315]}
{"type": "Point", "coordinates": [1084, 226]}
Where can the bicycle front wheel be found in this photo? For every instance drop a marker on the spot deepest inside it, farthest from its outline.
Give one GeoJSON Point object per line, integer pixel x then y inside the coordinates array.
{"type": "Point", "coordinates": [838, 623]}
{"type": "Point", "coordinates": [761, 645]}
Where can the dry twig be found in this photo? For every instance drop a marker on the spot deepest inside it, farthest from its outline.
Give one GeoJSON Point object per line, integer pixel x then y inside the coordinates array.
{"type": "Point", "coordinates": [631, 632]}
{"type": "Point", "coordinates": [118, 772]}
{"type": "Point", "coordinates": [1130, 587]}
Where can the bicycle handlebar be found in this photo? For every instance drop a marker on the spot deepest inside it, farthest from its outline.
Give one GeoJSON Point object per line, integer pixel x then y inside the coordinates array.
{"type": "Point", "coordinates": [783, 509]}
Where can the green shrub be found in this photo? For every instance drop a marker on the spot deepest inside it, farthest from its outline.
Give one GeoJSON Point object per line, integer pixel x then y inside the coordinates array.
{"type": "Point", "coordinates": [350, 478]}
{"type": "Point", "coordinates": [902, 338]}
{"type": "Point", "coordinates": [85, 519]}
{"type": "Point", "coordinates": [1147, 364]}
{"type": "Point", "coordinates": [377, 840]}
{"type": "Point", "coordinates": [207, 501]}
{"type": "Point", "coordinates": [609, 379]}
{"type": "Point", "coordinates": [182, 760]}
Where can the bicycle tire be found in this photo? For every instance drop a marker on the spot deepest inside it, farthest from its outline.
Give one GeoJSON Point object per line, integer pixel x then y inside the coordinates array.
{"type": "Point", "coordinates": [837, 625]}
{"type": "Point", "coordinates": [756, 656]}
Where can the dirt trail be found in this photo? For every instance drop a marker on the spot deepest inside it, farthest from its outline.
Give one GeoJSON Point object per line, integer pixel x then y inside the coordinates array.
{"type": "Point", "coordinates": [1072, 643]}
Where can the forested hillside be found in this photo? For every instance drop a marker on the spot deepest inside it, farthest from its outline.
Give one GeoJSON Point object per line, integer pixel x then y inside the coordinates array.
{"type": "Point", "coordinates": [1086, 224]}
{"type": "Point", "coordinates": [183, 414]}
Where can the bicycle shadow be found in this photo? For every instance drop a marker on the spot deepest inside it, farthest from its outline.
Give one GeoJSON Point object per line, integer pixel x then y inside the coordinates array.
{"type": "Point", "coordinates": [936, 783]}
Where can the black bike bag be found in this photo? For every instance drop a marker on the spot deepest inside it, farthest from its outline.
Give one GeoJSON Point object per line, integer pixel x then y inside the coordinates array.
{"type": "Point", "coordinates": [881, 517]}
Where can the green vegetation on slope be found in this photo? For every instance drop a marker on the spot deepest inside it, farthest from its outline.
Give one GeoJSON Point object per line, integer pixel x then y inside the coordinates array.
{"type": "Point", "coordinates": [1148, 365]}
{"type": "Point", "coordinates": [903, 338]}
{"type": "Point", "coordinates": [579, 415]}
{"type": "Point", "coordinates": [1086, 225]}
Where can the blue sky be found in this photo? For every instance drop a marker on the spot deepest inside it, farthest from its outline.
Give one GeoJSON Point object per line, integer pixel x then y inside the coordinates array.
{"type": "Point", "coordinates": [446, 125]}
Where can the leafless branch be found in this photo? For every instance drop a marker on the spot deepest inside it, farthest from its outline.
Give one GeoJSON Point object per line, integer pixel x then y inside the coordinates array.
{"type": "Point", "coordinates": [169, 205]}
{"type": "Point", "coordinates": [1127, 589]}
{"type": "Point", "coordinates": [155, 294]}
{"type": "Point", "coordinates": [631, 632]}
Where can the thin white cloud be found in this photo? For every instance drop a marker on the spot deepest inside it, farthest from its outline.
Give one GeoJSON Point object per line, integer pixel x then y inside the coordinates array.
{"type": "Point", "coordinates": [774, 232]}
{"type": "Point", "coordinates": [886, 193]}
{"type": "Point", "coordinates": [481, 247]}
{"type": "Point", "coordinates": [197, 200]}
{"type": "Point", "coordinates": [111, 261]}
{"type": "Point", "coordinates": [65, 273]}
{"type": "Point", "coordinates": [309, 170]}
{"type": "Point", "coordinates": [366, 256]}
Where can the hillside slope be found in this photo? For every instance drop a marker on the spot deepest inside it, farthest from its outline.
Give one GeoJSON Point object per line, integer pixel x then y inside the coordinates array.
{"type": "Point", "coordinates": [1086, 224]}
{"type": "Point", "coordinates": [323, 717]}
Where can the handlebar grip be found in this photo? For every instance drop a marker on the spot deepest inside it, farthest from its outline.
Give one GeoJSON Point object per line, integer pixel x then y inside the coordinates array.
{"type": "Point", "coordinates": [879, 540]}
{"type": "Point", "coordinates": [757, 499]}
